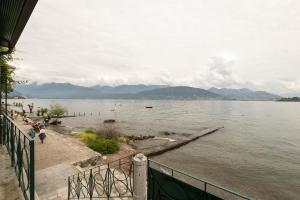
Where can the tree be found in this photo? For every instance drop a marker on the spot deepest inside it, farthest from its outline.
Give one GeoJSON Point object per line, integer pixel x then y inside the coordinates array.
{"type": "Point", "coordinates": [57, 111]}
{"type": "Point", "coordinates": [30, 106]}
{"type": "Point", "coordinates": [43, 111]}
{"type": "Point", "coordinates": [7, 73]}
{"type": "Point", "coordinates": [6, 76]}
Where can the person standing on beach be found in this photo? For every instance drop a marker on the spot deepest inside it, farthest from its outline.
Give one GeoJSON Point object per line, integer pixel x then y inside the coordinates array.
{"type": "Point", "coordinates": [42, 134]}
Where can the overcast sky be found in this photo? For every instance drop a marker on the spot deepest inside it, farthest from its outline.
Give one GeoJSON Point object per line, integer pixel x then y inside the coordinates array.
{"type": "Point", "coordinates": [201, 43]}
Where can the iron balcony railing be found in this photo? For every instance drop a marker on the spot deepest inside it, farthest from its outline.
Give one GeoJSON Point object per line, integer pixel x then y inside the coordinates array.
{"type": "Point", "coordinates": [20, 148]}
{"type": "Point", "coordinates": [216, 192]}
{"type": "Point", "coordinates": [112, 180]}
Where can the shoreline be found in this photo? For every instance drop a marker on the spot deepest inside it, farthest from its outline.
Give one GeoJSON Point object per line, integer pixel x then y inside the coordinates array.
{"type": "Point", "coordinates": [149, 145]}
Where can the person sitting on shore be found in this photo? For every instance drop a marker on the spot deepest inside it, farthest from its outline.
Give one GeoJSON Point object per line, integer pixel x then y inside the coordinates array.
{"type": "Point", "coordinates": [42, 135]}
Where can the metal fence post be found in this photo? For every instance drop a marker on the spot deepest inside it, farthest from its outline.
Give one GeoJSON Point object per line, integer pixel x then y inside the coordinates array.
{"type": "Point", "coordinates": [3, 129]}
{"type": "Point", "coordinates": [5, 93]}
{"type": "Point", "coordinates": [31, 171]}
{"type": "Point", "coordinates": [12, 143]}
{"type": "Point", "coordinates": [140, 177]}
{"type": "Point", "coordinates": [69, 187]}
{"type": "Point", "coordinates": [1, 126]}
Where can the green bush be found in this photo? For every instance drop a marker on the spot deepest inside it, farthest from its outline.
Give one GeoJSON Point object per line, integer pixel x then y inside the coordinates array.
{"type": "Point", "coordinates": [99, 143]}
{"type": "Point", "coordinates": [89, 130]}
{"type": "Point", "coordinates": [104, 146]}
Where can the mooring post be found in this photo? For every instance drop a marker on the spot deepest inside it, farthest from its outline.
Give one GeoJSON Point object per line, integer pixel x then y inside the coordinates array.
{"type": "Point", "coordinates": [140, 177]}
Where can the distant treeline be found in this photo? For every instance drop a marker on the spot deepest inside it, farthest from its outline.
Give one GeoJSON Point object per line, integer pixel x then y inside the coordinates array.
{"type": "Point", "coordinates": [292, 99]}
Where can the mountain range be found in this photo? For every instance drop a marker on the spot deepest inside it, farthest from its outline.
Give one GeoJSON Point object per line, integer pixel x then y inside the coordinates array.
{"type": "Point", "coordinates": [244, 94]}
{"type": "Point", "coordinates": [70, 91]}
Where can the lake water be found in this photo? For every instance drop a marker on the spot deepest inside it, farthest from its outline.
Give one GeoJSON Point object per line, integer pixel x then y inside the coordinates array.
{"type": "Point", "coordinates": [256, 154]}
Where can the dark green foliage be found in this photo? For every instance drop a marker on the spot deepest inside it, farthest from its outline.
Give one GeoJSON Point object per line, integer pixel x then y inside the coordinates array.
{"type": "Point", "coordinates": [99, 143]}
{"type": "Point", "coordinates": [7, 73]}
{"type": "Point", "coordinates": [104, 146]}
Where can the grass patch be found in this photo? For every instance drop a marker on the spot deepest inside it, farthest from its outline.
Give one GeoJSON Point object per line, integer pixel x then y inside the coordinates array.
{"type": "Point", "coordinates": [86, 137]}
{"type": "Point", "coordinates": [99, 143]}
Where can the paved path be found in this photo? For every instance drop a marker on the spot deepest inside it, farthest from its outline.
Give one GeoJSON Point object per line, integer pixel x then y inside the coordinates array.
{"type": "Point", "coordinates": [53, 162]}
{"type": "Point", "coordinates": [9, 188]}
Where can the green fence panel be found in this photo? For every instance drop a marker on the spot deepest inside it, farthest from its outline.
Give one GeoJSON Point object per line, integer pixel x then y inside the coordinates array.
{"type": "Point", "coordinates": [20, 148]}
{"type": "Point", "coordinates": [164, 187]}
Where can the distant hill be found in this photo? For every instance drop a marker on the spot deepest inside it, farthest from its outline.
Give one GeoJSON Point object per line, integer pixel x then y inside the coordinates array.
{"type": "Point", "coordinates": [245, 94]}
{"type": "Point", "coordinates": [14, 94]}
{"type": "Point", "coordinates": [57, 90]}
{"type": "Point", "coordinates": [126, 89]}
{"type": "Point", "coordinates": [179, 92]}
{"type": "Point", "coordinates": [70, 91]}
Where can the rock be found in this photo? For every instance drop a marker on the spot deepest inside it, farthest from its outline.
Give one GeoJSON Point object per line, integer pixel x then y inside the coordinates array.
{"type": "Point", "coordinates": [109, 121]}
{"type": "Point", "coordinates": [140, 137]}
{"type": "Point", "coordinates": [168, 133]}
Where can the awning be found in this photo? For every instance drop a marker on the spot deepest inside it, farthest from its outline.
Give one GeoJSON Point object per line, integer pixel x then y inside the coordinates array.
{"type": "Point", "coordinates": [14, 15]}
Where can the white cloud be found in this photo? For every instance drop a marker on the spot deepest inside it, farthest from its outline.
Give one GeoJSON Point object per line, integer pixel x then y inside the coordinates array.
{"type": "Point", "coordinates": [164, 42]}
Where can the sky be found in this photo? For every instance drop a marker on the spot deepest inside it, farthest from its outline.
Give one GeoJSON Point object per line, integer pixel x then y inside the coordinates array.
{"type": "Point", "coordinates": [199, 43]}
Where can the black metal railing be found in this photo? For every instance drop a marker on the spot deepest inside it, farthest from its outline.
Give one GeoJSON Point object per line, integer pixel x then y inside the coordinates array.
{"type": "Point", "coordinates": [20, 148]}
{"type": "Point", "coordinates": [165, 183]}
{"type": "Point", "coordinates": [112, 180]}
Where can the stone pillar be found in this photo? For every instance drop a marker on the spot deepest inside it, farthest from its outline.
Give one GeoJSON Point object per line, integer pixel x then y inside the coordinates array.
{"type": "Point", "coordinates": [140, 177]}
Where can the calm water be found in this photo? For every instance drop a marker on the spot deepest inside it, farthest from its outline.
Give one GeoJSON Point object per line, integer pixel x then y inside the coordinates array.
{"type": "Point", "coordinates": [256, 154]}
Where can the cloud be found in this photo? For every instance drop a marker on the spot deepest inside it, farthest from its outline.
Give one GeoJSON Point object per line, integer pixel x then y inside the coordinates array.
{"type": "Point", "coordinates": [172, 42]}
{"type": "Point", "coordinates": [283, 86]}
{"type": "Point", "coordinates": [218, 74]}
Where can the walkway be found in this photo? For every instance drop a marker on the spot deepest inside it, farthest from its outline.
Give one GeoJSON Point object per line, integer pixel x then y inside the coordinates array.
{"type": "Point", "coordinates": [53, 162]}
{"type": "Point", "coordinates": [9, 188]}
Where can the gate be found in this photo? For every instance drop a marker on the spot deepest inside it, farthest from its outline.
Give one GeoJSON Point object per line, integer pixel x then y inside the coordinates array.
{"type": "Point", "coordinates": [107, 181]}
{"type": "Point", "coordinates": [165, 183]}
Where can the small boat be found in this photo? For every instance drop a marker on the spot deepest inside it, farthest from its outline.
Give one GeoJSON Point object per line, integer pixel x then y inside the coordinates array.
{"type": "Point", "coordinates": [148, 106]}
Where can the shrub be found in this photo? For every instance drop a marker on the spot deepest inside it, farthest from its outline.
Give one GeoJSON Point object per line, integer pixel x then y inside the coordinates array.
{"type": "Point", "coordinates": [57, 110]}
{"type": "Point", "coordinates": [104, 146]}
{"type": "Point", "coordinates": [89, 130]}
{"type": "Point", "coordinates": [99, 143]}
{"type": "Point", "coordinates": [86, 137]}
{"type": "Point", "coordinates": [43, 111]}
{"type": "Point", "coordinates": [108, 131]}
